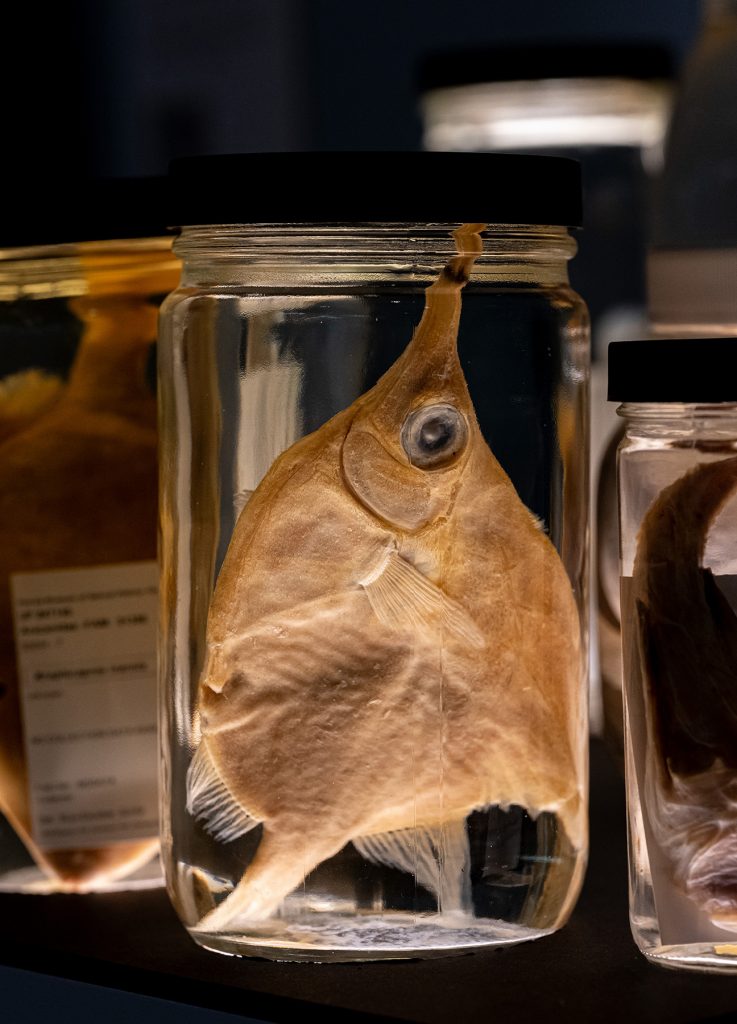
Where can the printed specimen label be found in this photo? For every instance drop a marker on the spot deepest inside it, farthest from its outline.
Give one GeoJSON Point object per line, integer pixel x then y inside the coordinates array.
{"type": "Point", "coordinates": [86, 654]}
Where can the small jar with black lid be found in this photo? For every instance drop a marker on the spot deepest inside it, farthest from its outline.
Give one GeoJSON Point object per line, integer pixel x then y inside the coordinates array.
{"type": "Point", "coordinates": [373, 413]}
{"type": "Point", "coordinates": [83, 267]}
{"type": "Point", "coordinates": [677, 479]}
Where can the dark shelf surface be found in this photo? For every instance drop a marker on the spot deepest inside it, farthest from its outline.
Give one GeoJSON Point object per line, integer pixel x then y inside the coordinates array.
{"type": "Point", "coordinates": [591, 970]}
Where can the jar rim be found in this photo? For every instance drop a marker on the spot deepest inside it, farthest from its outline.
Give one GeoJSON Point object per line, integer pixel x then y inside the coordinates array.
{"type": "Point", "coordinates": [67, 250]}
{"type": "Point", "coordinates": [376, 244]}
{"type": "Point", "coordinates": [661, 411]}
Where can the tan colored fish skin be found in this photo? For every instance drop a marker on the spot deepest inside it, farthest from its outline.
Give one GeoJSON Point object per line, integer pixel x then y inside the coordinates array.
{"type": "Point", "coordinates": [78, 487]}
{"type": "Point", "coordinates": [687, 634]}
{"type": "Point", "coordinates": [325, 720]}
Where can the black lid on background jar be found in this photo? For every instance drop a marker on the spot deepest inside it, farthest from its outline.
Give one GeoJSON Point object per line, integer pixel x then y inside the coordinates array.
{"type": "Point", "coordinates": [526, 63]}
{"type": "Point", "coordinates": [372, 187]}
{"type": "Point", "coordinates": [59, 212]}
{"type": "Point", "coordinates": [691, 370]}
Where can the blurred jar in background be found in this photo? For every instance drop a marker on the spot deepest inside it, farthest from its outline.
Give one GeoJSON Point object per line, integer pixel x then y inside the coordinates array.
{"type": "Point", "coordinates": [692, 272]}
{"type": "Point", "coordinates": [677, 467]}
{"type": "Point", "coordinates": [607, 105]}
{"type": "Point", "coordinates": [78, 574]}
{"type": "Point", "coordinates": [692, 266]}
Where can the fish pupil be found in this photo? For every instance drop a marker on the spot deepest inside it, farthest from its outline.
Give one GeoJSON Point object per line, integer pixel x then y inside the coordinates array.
{"type": "Point", "coordinates": [436, 433]}
{"type": "Point", "coordinates": [433, 436]}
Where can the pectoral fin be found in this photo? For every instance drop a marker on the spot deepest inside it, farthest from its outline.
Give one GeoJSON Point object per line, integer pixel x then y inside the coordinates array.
{"type": "Point", "coordinates": [402, 598]}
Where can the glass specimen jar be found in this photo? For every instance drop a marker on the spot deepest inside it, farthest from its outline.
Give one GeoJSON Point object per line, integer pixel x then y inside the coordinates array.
{"type": "Point", "coordinates": [677, 472]}
{"type": "Point", "coordinates": [78, 573]}
{"type": "Point", "coordinates": [373, 520]}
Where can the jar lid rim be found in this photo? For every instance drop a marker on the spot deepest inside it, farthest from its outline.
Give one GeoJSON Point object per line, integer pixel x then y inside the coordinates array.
{"type": "Point", "coordinates": [381, 187]}
{"type": "Point", "coordinates": [673, 370]}
{"type": "Point", "coordinates": [637, 60]}
{"type": "Point", "coordinates": [82, 210]}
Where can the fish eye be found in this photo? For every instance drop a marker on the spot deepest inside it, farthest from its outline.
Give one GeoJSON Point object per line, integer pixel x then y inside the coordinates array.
{"type": "Point", "coordinates": [434, 435]}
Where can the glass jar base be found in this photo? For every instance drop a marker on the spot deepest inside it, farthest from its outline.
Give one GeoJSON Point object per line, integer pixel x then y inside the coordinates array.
{"type": "Point", "coordinates": [709, 957]}
{"type": "Point", "coordinates": [334, 938]}
{"type": "Point", "coordinates": [32, 881]}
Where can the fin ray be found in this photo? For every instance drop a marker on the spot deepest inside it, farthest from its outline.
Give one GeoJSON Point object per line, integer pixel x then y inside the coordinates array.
{"type": "Point", "coordinates": [438, 857]}
{"type": "Point", "coordinates": [403, 598]}
{"type": "Point", "coordinates": [210, 801]}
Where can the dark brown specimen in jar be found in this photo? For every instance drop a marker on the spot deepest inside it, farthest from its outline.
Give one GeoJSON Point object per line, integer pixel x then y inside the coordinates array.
{"type": "Point", "coordinates": [688, 648]}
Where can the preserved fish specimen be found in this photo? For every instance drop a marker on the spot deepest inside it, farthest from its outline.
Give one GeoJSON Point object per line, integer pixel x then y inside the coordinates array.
{"type": "Point", "coordinates": [688, 650]}
{"type": "Point", "coordinates": [392, 643]}
{"type": "Point", "coordinates": [78, 486]}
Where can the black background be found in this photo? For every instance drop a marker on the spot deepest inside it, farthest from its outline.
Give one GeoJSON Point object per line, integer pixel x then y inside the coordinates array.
{"type": "Point", "coordinates": [122, 86]}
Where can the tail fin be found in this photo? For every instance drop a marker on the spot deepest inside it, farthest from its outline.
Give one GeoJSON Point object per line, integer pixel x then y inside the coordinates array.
{"type": "Point", "coordinates": [281, 864]}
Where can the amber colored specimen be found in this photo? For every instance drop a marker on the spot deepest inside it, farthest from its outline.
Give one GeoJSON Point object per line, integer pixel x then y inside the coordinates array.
{"type": "Point", "coordinates": [78, 487]}
{"type": "Point", "coordinates": [24, 397]}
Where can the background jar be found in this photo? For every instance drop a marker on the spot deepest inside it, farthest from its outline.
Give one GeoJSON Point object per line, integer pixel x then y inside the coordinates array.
{"type": "Point", "coordinates": [691, 273]}
{"type": "Point", "coordinates": [292, 305]}
{"type": "Point", "coordinates": [78, 574]}
{"type": "Point", "coordinates": [677, 477]}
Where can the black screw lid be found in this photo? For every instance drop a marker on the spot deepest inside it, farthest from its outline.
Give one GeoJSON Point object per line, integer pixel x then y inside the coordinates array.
{"type": "Point", "coordinates": [349, 188]}
{"type": "Point", "coordinates": [36, 213]}
{"type": "Point", "coordinates": [525, 63]}
{"type": "Point", "coordinates": [691, 370]}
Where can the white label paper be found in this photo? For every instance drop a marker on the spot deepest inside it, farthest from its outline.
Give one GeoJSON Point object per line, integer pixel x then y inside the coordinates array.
{"type": "Point", "coordinates": [86, 653]}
